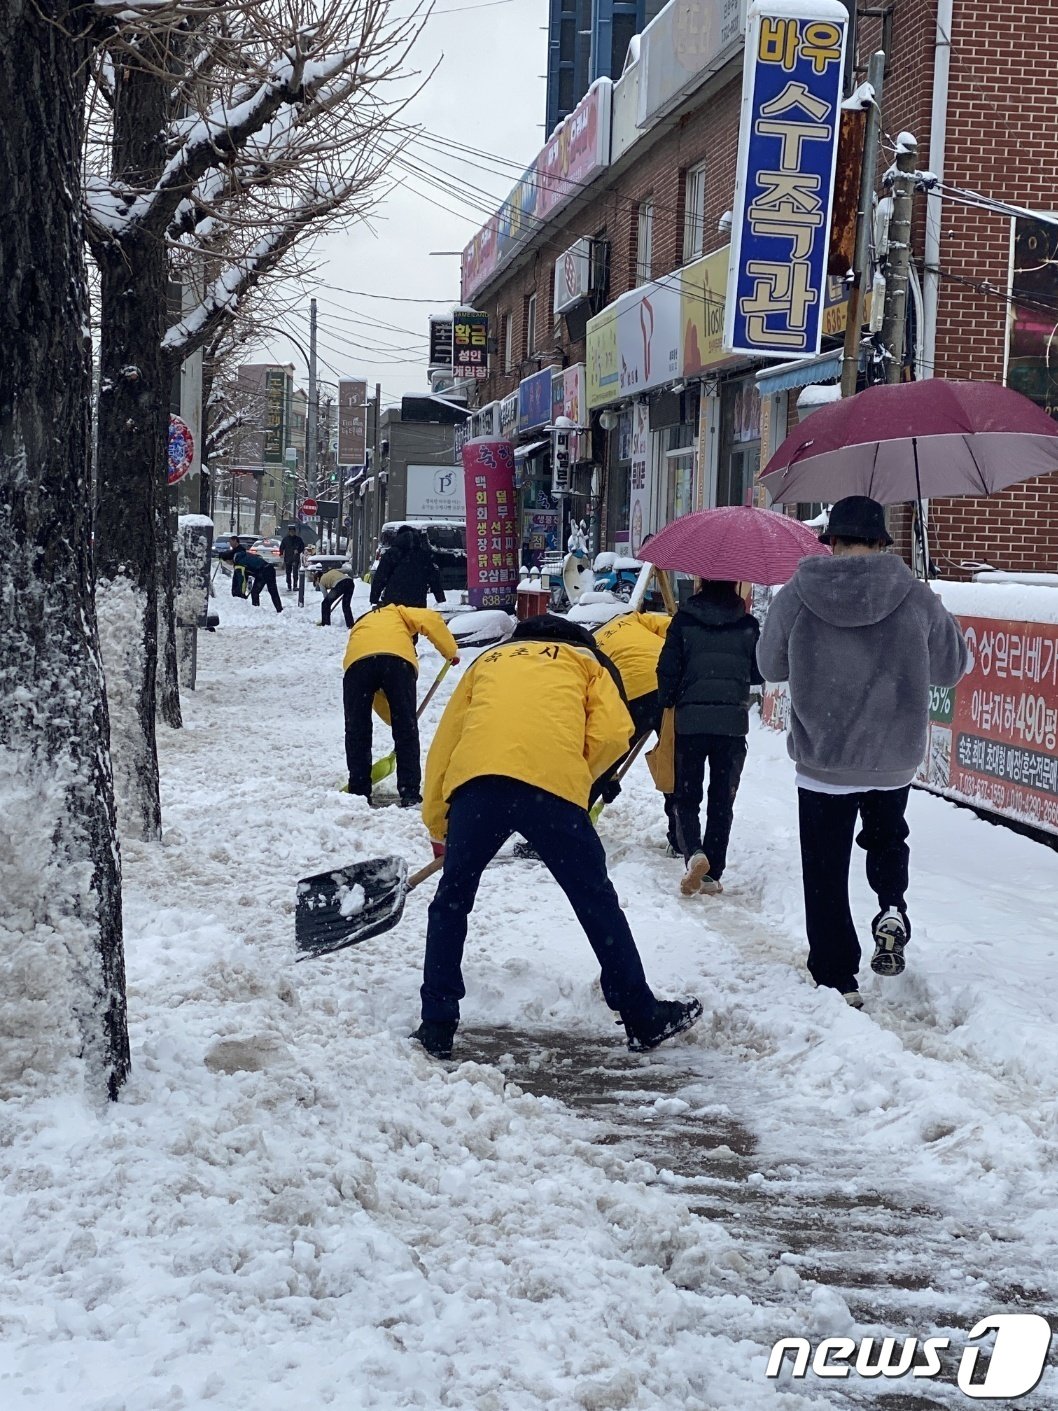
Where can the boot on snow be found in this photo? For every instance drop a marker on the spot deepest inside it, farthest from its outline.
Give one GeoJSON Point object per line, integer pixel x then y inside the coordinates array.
{"type": "Point", "coordinates": [436, 1038]}
{"type": "Point", "coordinates": [891, 930]}
{"type": "Point", "coordinates": [670, 1017]}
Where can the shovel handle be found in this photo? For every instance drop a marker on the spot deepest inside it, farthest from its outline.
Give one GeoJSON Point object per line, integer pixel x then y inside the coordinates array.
{"type": "Point", "coordinates": [425, 872]}
{"type": "Point", "coordinates": [430, 693]}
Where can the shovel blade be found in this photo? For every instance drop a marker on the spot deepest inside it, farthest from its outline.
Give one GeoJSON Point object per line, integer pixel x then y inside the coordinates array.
{"type": "Point", "coordinates": [347, 905]}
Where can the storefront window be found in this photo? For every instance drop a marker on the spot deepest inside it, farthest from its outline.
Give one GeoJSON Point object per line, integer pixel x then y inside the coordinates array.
{"type": "Point", "coordinates": [618, 484]}
{"type": "Point", "coordinates": [679, 460]}
{"type": "Point", "coordinates": [739, 443]}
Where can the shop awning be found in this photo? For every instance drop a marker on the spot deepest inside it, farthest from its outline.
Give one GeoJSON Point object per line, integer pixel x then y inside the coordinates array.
{"type": "Point", "coordinates": [824, 367]}
{"type": "Point", "coordinates": [522, 453]}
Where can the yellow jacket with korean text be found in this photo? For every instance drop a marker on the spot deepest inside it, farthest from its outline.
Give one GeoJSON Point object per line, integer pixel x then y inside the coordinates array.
{"type": "Point", "coordinates": [633, 642]}
{"type": "Point", "coordinates": [390, 631]}
{"type": "Point", "coordinates": [545, 712]}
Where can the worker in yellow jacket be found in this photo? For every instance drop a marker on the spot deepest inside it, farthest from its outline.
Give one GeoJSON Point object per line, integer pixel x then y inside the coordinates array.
{"type": "Point", "coordinates": [528, 729]}
{"type": "Point", "coordinates": [633, 642]}
{"type": "Point", "coordinates": [380, 657]}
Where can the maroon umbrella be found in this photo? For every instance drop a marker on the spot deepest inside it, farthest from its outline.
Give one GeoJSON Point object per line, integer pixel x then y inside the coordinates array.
{"type": "Point", "coordinates": [738, 544]}
{"type": "Point", "coordinates": [915, 439]}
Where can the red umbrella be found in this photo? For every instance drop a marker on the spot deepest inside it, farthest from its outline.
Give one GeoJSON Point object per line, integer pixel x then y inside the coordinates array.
{"type": "Point", "coordinates": [916, 439]}
{"type": "Point", "coordinates": [737, 543]}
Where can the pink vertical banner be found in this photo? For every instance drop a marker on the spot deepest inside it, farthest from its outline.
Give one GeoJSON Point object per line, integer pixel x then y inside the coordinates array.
{"type": "Point", "coordinates": [492, 532]}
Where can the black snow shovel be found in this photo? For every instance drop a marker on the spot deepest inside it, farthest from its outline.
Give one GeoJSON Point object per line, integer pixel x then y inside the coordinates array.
{"type": "Point", "coordinates": [347, 905]}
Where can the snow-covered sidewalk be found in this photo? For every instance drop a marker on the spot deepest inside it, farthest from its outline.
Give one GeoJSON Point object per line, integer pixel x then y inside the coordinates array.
{"type": "Point", "coordinates": [292, 1206]}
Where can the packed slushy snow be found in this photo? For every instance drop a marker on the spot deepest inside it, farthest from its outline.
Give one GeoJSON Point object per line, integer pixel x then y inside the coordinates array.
{"type": "Point", "coordinates": [292, 1206]}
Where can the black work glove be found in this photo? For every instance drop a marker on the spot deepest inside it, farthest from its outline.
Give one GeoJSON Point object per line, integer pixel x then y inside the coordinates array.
{"type": "Point", "coordinates": [609, 791]}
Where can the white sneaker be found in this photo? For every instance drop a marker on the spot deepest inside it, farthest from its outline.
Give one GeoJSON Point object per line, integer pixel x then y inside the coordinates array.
{"type": "Point", "coordinates": [890, 931]}
{"type": "Point", "coordinates": [697, 871]}
{"type": "Point", "coordinates": [853, 999]}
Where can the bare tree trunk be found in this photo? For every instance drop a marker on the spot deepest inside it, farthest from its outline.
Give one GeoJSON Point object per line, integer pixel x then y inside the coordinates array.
{"type": "Point", "coordinates": [62, 972]}
{"type": "Point", "coordinates": [133, 440]}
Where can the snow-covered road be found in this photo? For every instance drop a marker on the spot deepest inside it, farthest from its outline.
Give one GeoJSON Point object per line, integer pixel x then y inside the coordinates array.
{"type": "Point", "coordinates": [293, 1206]}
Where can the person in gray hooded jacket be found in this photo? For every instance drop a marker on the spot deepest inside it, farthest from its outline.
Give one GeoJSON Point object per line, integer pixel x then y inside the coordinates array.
{"type": "Point", "coordinates": [860, 641]}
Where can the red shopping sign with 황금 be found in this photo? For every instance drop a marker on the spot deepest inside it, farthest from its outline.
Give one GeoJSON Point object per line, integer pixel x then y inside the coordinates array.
{"type": "Point", "coordinates": [492, 532]}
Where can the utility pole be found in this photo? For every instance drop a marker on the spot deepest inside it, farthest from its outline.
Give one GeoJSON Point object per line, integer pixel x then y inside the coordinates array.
{"type": "Point", "coordinates": [376, 464]}
{"type": "Point", "coordinates": [894, 320]}
{"type": "Point", "coordinates": [864, 223]}
{"type": "Point", "coordinates": [311, 447]}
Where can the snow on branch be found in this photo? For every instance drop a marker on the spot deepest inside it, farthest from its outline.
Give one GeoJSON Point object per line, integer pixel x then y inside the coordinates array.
{"type": "Point", "coordinates": [223, 295]}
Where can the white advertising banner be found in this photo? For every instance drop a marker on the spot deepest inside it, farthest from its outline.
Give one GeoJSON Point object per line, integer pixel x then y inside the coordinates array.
{"type": "Point", "coordinates": [649, 341]}
{"type": "Point", "coordinates": [639, 498]}
{"type": "Point", "coordinates": [435, 492]}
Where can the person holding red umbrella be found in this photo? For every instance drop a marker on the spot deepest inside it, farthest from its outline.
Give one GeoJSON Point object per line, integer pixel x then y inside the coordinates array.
{"type": "Point", "coordinates": [705, 671]}
{"type": "Point", "coordinates": [860, 640]}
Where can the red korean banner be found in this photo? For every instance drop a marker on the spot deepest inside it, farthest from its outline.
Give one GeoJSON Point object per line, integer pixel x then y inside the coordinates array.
{"type": "Point", "coordinates": [993, 739]}
{"type": "Point", "coordinates": [492, 535]}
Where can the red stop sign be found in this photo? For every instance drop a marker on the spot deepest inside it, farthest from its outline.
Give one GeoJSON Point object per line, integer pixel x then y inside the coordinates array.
{"type": "Point", "coordinates": [308, 507]}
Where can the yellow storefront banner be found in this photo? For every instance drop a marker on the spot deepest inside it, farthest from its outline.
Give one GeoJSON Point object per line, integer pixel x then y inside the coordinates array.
{"type": "Point", "coordinates": [603, 365]}
{"type": "Point", "coordinates": [703, 295]}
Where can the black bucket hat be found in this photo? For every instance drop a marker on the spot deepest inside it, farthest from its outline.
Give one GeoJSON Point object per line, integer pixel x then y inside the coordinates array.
{"type": "Point", "coordinates": [857, 517]}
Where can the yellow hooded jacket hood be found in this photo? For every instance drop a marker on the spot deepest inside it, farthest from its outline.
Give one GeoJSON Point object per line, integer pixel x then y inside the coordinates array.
{"type": "Point", "coordinates": [545, 712]}
{"type": "Point", "coordinates": [633, 642]}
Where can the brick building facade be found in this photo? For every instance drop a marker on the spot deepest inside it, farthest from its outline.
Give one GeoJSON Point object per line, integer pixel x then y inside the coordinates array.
{"type": "Point", "coordinates": [1001, 142]}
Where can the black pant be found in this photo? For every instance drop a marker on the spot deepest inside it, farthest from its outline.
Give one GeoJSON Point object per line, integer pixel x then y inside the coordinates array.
{"type": "Point", "coordinates": [293, 568]}
{"type": "Point", "coordinates": [725, 756]}
{"type": "Point", "coordinates": [266, 578]}
{"type": "Point", "coordinates": [482, 815]}
{"type": "Point", "coordinates": [646, 718]}
{"type": "Point", "coordinates": [395, 678]}
{"type": "Point", "coordinates": [344, 591]}
{"type": "Point", "coordinates": [827, 823]}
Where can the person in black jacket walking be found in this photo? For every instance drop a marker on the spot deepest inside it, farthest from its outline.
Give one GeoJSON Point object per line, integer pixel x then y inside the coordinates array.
{"type": "Point", "coordinates": [705, 671]}
{"type": "Point", "coordinates": [291, 546]}
{"type": "Point", "coordinates": [405, 571]}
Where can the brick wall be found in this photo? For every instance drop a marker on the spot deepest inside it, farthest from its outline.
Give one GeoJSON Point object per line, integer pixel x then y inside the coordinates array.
{"type": "Point", "coordinates": [1002, 142]}
{"type": "Point", "coordinates": [710, 135]}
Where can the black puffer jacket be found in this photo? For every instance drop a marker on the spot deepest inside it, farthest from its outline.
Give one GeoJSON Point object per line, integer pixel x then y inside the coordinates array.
{"type": "Point", "coordinates": [406, 571]}
{"type": "Point", "coordinates": [708, 664]}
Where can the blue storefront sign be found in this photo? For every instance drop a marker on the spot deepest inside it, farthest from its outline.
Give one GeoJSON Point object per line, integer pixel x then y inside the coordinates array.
{"type": "Point", "coordinates": [534, 400]}
{"type": "Point", "coordinates": [788, 146]}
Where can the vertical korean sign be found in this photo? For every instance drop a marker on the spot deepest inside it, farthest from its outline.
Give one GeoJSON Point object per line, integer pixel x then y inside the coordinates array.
{"type": "Point", "coordinates": [639, 497]}
{"type": "Point", "coordinates": [470, 345]}
{"type": "Point", "coordinates": [784, 187]}
{"type": "Point", "coordinates": [492, 535]}
{"type": "Point", "coordinates": [275, 418]}
{"type": "Point", "coordinates": [352, 422]}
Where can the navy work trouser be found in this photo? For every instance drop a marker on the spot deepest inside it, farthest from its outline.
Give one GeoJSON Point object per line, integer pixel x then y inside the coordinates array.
{"type": "Point", "coordinates": [482, 815]}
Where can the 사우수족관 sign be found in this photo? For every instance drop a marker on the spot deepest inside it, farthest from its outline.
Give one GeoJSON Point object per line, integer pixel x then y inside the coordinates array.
{"type": "Point", "coordinates": [492, 533]}
{"type": "Point", "coordinates": [788, 142]}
